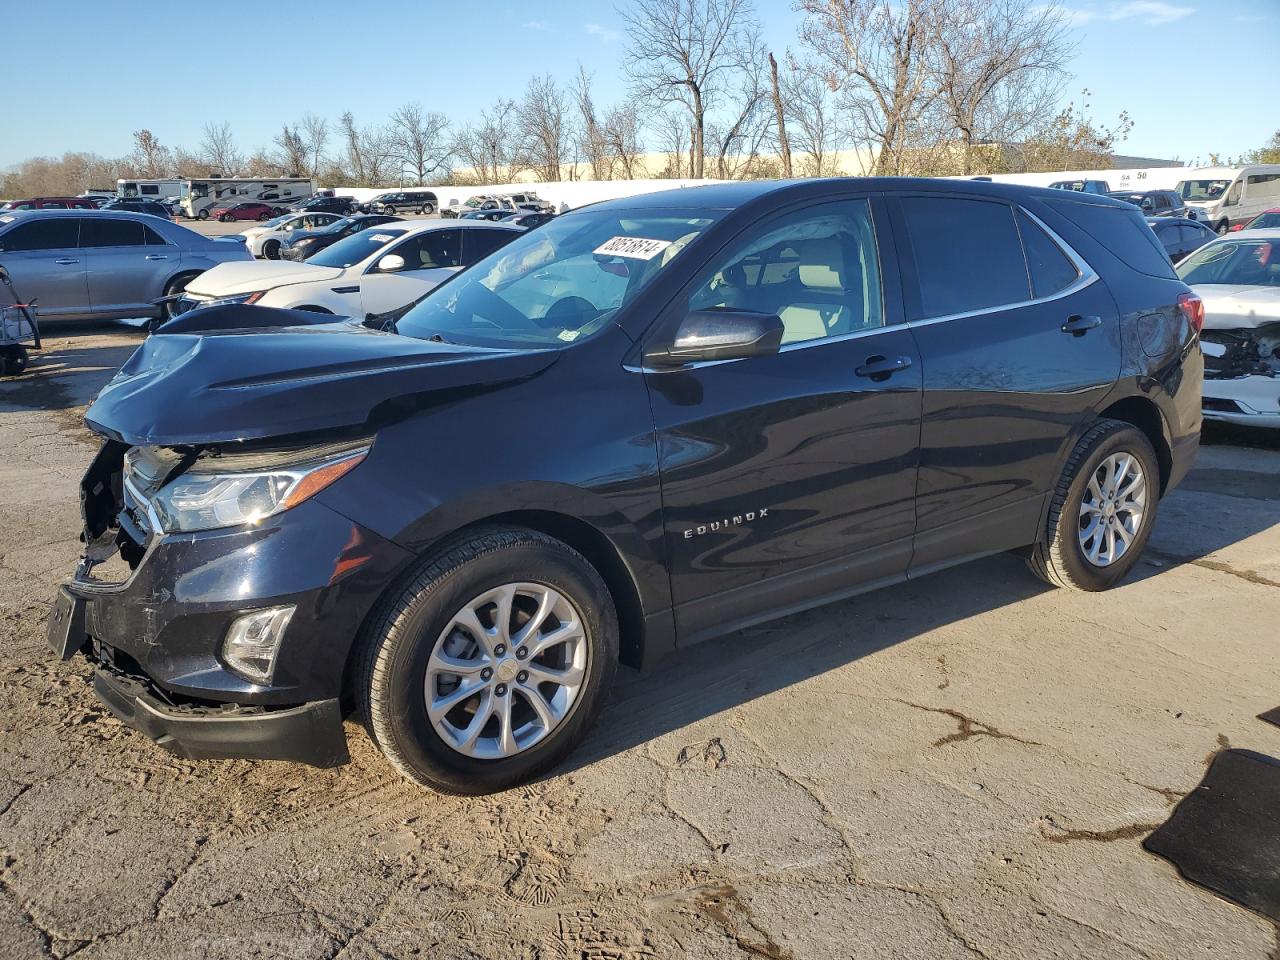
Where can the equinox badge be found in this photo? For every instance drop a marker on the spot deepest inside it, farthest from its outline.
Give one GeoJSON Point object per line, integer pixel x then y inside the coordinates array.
{"type": "Point", "coordinates": [726, 523]}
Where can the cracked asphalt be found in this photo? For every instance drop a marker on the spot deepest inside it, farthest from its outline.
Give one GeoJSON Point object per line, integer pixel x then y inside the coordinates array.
{"type": "Point", "coordinates": [960, 767]}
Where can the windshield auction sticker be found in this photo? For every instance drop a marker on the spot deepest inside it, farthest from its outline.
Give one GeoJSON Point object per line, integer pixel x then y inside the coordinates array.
{"type": "Point", "coordinates": [637, 248]}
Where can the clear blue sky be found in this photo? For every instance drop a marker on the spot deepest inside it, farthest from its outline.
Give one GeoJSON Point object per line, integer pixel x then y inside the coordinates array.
{"type": "Point", "coordinates": [78, 74]}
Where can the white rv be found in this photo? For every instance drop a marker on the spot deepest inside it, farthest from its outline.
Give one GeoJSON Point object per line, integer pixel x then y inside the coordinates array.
{"type": "Point", "coordinates": [1224, 197]}
{"type": "Point", "coordinates": [168, 189]}
{"type": "Point", "coordinates": [202, 194]}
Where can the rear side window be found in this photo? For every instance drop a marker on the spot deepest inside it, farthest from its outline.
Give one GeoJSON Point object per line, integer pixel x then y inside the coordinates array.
{"type": "Point", "coordinates": [968, 255]}
{"type": "Point", "coordinates": [479, 244]}
{"type": "Point", "coordinates": [1123, 231]}
{"type": "Point", "coordinates": [151, 238]}
{"type": "Point", "coordinates": [108, 232]}
{"type": "Point", "coordinates": [53, 234]}
{"type": "Point", "coordinates": [1050, 269]}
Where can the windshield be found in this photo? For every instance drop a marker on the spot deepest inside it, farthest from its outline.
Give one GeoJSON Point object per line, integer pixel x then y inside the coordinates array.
{"type": "Point", "coordinates": [1250, 262]}
{"type": "Point", "coordinates": [560, 283]}
{"type": "Point", "coordinates": [1202, 191]}
{"type": "Point", "coordinates": [355, 248]}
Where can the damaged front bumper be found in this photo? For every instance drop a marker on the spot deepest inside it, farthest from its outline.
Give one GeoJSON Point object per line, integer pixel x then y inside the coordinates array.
{"type": "Point", "coordinates": [151, 613]}
{"type": "Point", "coordinates": [1242, 376]}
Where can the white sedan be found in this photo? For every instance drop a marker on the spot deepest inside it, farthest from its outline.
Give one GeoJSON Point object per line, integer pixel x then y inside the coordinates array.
{"type": "Point", "coordinates": [373, 271]}
{"type": "Point", "coordinates": [267, 240]}
{"type": "Point", "coordinates": [1238, 279]}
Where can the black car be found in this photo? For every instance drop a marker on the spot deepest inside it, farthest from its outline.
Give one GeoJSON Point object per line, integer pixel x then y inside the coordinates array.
{"type": "Point", "coordinates": [1154, 203]}
{"type": "Point", "coordinates": [341, 205]}
{"type": "Point", "coordinates": [1179, 236]}
{"type": "Point", "coordinates": [307, 242]}
{"type": "Point", "coordinates": [403, 201]}
{"type": "Point", "coordinates": [493, 214]}
{"type": "Point", "coordinates": [527, 220]}
{"type": "Point", "coordinates": [646, 423]}
{"type": "Point", "coordinates": [152, 207]}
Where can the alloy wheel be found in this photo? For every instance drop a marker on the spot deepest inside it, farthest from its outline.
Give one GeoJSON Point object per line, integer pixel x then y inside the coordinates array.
{"type": "Point", "coordinates": [1112, 509]}
{"type": "Point", "coordinates": [506, 670]}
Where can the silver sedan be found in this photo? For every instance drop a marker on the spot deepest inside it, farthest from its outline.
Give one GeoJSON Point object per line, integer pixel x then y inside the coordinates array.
{"type": "Point", "coordinates": [104, 264]}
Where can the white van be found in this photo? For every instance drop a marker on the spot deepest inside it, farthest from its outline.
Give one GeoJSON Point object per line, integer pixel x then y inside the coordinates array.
{"type": "Point", "coordinates": [1223, 197]}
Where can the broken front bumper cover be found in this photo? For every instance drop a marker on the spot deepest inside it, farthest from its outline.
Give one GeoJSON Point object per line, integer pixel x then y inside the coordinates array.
{"type": "Point", "coordinates": [1248, 401]}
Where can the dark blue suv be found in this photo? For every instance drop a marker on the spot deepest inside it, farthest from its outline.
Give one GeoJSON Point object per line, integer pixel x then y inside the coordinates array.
{"type": "Point", "coordinates": [645, 423]}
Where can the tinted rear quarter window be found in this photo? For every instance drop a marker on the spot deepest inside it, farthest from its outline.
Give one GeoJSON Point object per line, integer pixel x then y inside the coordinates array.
{"type": "Point", "coordinates": [478, 244]}
{"type": "Point", "coordinates": [1123, 231]}
{"type": "Point", "coordinates": [1050, 269]}
{"type": "Point", "coordinates": [55, 233]}
{"type": "Point", "coordinates": [967, 253]}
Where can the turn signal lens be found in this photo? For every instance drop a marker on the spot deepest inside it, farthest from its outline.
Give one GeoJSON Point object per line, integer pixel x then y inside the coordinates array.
{"type": "Point", "coordinates": [317, 480]}
{"type": "Point", "coordinates": [1192, 308]}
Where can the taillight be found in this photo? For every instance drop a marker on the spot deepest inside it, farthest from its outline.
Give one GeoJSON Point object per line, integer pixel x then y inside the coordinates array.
{"type": "Point", "coordinates": [1192, 308]}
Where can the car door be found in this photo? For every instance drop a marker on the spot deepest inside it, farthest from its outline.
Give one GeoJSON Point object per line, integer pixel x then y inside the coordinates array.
{"type": "Point", "coordinates": [45, 263]}
{"type": "Point", "coordinates": [125, 262]}
{"type": "Point", "coordinates": [1018, 343]}
{"type": "Point", "coordinates": [790, 478]}
{"type": "Point", "coordinates": [429, 257]}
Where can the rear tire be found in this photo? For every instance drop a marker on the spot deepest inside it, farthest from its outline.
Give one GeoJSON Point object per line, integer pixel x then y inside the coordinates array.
{"type": "Point", "coordinates": [202, 215]}
{"type": "Point", "coordinates": [414, 630]}
{"type": "Point", "coordinates": [426, 209]}
{"type": "Point", "coordinates": [1223, 228]}
{"type": "Point", "coordinates": [264, 216]}
{"type": "Point", "coordinates": [388, 210]}
{"type": "Point", "coordinates": [1085, 502]}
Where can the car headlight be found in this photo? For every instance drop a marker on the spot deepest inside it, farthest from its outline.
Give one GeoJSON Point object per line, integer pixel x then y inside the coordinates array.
{"type": "Point", "coordinates": [245, 298]}
{"type": "Point", "coordinates": [205, 498]}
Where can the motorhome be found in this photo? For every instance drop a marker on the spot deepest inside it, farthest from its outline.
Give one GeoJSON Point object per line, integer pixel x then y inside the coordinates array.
{"type": "Point", "coordinates": [200, 195]}
{"type": "Point", "coordinates": [1223, 197]}
{"type": "Point", "coordinates": [165, 189]}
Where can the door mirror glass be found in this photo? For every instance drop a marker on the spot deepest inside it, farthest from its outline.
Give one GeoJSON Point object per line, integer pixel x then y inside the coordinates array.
{"type": "Point", "coordinates": [391, 263]}
{"type": "Point", "coordinates": [720, 334]}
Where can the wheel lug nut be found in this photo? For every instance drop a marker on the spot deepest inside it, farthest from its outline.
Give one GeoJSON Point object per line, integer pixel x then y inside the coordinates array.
{"type": "Point", "coordinates": [522, 652]}
{"type": "Point", "coordinates": [522, 676]}
{"type": "Point", "coordinates": [499, 650]}
{"type": "Point", "coordinates": [501, 690]}
{"type": "Point", "coordinates": [486, 673]}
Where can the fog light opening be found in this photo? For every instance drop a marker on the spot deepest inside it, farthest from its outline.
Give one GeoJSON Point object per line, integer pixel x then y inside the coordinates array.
{"type": "Point", "coordinates": [253, 641]}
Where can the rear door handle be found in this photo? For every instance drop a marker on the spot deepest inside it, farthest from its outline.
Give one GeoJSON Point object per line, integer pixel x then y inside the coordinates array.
{"type": "Point", "coordinates": [882, 368]}
{"type": "Point", "coordinates": [157, 256]}
{"type": "Point", "coordinates": [1079, 326]}
{"type": "Point", "coordinates": [65, 261]}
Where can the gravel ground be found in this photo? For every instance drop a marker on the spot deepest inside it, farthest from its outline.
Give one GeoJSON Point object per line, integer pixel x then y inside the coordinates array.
{"type": "Point", "coordinates": [959, 767]}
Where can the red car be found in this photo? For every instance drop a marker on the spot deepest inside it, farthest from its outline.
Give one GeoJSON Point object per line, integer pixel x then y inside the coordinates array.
{"type": "Point", "coordinates": [1266, 219]}
{"type": "Point", "coordinates": [47, 203]}
{"type": "Point", "coordinates": [242, 211]}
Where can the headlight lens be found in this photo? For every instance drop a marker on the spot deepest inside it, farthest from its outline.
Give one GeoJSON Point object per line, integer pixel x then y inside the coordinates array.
{"type": "Point", "coordinates": [237, 298]}
{"type": "Point", "coordinates": [200, 500]}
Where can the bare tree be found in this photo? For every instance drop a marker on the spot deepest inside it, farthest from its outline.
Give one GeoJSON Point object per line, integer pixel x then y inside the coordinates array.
{"type": "Point", "coordinates": [1072, 140]}
{"type": "Point", "coordinates": [489, 147]}
{"type": "Point", "coordinates": [743, 122]}
{"type": "Point", "coordinates": [815, 134]}
{"type": "Point", "coordinates": [418, 139]}
{"type": "Point", "coordinates": [1000, 67]}
{"type": "Point", "coordinates": [686, 52]}
{"type": "Point", "coordinates": [880, 55]}
{"type": "Point", "coordinates": [591, 133]}
{"type": "Point", "coordinates": [672, 130]}
{"type": "Point", "coordinates": [544, 128]}
{"type": "Point", "coordinates": [368, 152]}
{"type": "Point", "coordinates": [293, 153]}
{"type": "Point", "coordinates": [622, 143]}
{"type": "Point", "coordinates": [153, 159]}
{"type": "Point", "coordinates": [780, 117]}
{"type": "Point", "coordinates": [315, 132]}
{"type": "Point", "coordinates": [218, 150]}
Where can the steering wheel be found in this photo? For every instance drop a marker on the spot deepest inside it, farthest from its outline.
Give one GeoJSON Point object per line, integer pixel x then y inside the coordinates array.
{"type": "Point", "coordinates": [570, 313]}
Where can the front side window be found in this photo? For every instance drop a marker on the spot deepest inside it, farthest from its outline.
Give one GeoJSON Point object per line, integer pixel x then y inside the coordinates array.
{"type": "Point", "coordinates": [968, 255]}
{"type": "Point", "coordinates": [108, 232]}
{"type": "Point", "coordinates": [55, 233]}
{"type": "Point", "coordinates": [817, 269]}
{"type": "Point", "coordinates": [559, 284]}
{"type": "Point", "coordinates": [1251, 262]}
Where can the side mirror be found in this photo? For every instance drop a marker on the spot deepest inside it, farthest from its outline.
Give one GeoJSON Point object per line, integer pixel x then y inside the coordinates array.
{"type": "Point", "coordinates": [720, 334]}
{"type": "Point", "coordinates": [391, 263]}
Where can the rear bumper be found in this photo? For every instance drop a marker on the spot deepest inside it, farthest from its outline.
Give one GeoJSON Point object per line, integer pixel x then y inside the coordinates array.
{"type": "Point", "coordinates": [310, 733]}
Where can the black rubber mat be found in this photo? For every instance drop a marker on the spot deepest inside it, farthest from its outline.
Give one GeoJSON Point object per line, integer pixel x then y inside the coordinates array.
{"type": "Point", "coordinates": [1271, 716]}
{"type": "Point", "coordinates": [1225, 834]}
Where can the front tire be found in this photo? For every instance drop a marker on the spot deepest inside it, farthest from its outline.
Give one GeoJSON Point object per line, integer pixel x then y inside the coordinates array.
{"type": "Point", "coordinates": [490, 664]}
{"type": "Point", "coordinates": [271, 250]}
{"type": "Point", "coordinates": [1223, 228]}
{"type": "Point", "coordinates": [1102, 511]}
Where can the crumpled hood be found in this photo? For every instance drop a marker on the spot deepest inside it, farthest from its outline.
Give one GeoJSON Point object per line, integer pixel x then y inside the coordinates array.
{"type": "Point", "coordinates": [1235, 306]}
{"type": "Point", "coordinates": [249, 373]}
{"type": "Point", "coordinates": [248, 276]}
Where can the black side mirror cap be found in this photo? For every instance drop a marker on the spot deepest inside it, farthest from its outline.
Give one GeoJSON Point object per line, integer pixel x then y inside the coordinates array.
{"type": "Point", "coordinates": [719, 334]}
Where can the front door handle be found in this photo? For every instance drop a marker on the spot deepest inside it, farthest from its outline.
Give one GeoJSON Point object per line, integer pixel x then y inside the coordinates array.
{"type": "Point", "coordinates": [65, 261]}
{"type": "Point", "coordinates": [1079, 326]}
{"type": "Point", "coordinates": [156, 256]}
{"type": "Point", "coordinates": [882, 368]}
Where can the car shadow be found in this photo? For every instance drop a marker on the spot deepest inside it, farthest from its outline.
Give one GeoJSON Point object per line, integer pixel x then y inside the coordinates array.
{"type": "Point", "coordinates": [72, 366]}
